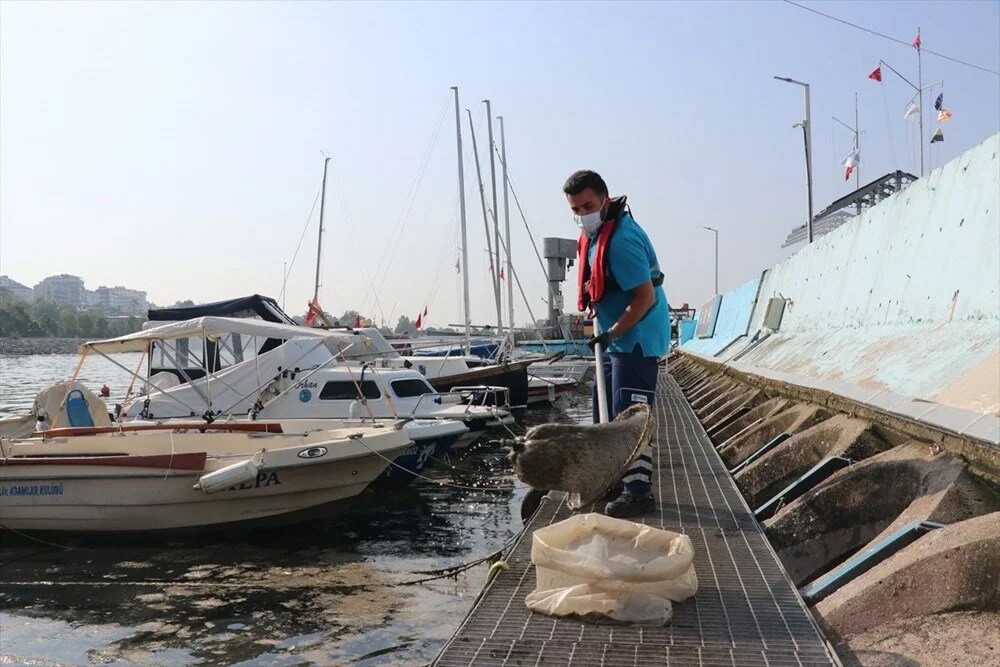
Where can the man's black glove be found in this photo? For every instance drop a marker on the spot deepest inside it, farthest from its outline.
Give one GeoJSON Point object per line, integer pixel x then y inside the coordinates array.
{"type": "Point", "coordinates": [604, 338]}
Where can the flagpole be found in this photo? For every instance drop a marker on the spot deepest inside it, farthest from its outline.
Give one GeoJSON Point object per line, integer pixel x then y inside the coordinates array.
{"type": "Point", "coordinates": [920, 94]}
{"type": "Point", "coordinates": [461, 201]}
{"type": "Point", "coordinates": [857, 140]}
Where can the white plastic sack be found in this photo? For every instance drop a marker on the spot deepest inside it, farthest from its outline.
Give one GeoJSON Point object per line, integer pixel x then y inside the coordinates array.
{"type": "Point", "coordinates": [594, 564]}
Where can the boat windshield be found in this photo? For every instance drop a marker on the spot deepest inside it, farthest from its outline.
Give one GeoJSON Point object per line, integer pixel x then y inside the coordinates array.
{"type": "Point", "coordinates": [411, 387]}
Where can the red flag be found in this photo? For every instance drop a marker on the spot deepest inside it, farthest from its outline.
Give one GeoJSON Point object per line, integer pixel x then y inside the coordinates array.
{"type": "Point", "coordinates": [916, 42]}
{"type": "Point", "coordinates": [876, 74]}
{"type": "Point", "coordinates": [419, 320]}
{"type": "Point", "coordinates": [357, 321]}
{"type": "Point", "coordinates": [850, 162]}
{"type": "Point", "coordinates": [312, 313]}
{"type": "Point", "coordinates": [501, 274]}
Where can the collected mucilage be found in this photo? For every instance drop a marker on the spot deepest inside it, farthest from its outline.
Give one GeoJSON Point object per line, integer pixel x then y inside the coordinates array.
{"type": "Point", "coordinates": [584, 461]}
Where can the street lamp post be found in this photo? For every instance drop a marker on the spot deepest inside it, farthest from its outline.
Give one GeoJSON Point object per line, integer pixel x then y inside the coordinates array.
{"type": "Point", "coordinates": [807, 129]}
{"type": "Point", "coordinates": [716, 231]}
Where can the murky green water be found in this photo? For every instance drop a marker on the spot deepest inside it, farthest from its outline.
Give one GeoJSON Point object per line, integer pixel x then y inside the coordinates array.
{"type": "Point", "coordinates": [324, 593]}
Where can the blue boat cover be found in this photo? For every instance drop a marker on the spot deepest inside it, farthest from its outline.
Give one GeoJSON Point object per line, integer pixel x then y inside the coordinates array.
{"type": "Point", "coordinates": [262, 306]}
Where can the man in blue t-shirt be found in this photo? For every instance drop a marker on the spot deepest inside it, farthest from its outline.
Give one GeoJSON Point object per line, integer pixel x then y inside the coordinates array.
{"type": "Point", "coordinates": [621, 282]}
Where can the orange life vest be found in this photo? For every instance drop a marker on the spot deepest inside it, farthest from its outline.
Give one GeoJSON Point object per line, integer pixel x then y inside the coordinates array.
{"type": "Point", "coordinates": [590, 281]}
{"type": "Point", "coordinates": [593, 281]}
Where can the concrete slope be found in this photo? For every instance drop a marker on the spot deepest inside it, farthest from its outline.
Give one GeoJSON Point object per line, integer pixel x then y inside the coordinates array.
{"type": "Point", "coordinates": [954, 568]}
{"type": "Point", "coordinates": [899, 308]}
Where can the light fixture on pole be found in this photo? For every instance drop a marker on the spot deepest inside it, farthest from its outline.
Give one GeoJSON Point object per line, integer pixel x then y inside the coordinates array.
{"type": "Point", "coordinates": [807, 130]}
{"type": "Point", "coordinates": [716, 232]}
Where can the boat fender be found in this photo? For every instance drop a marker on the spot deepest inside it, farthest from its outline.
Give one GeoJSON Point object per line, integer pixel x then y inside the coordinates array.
{"type": "Point", "coordinates": [231, 475]}
{"type": "Point", "coordinates": [43, 420]}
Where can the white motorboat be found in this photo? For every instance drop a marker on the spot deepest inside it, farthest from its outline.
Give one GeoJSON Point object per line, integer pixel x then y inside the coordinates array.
{"type": "Point", "coordinates": [543, 389]}
{"type": "Point", "coordinates": [301, 379]}
{"type": "Point", "coordinates": [152, 477]}
{"type": "Point", "coordinates": [503, 384]}
{"type": "Point", "coordinates": [453, 369]}
{"type": "Point", "coordinates": [575, 369]}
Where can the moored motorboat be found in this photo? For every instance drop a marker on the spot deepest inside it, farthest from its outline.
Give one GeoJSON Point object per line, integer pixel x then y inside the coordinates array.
{"type": "Point", "coordinates": [432, 439]}
{"type": "Point", "coordinates": [314, 376]}
{"type": "Point", "coordinates": [156, 477]}
{"type": "Point", "coordinates": [548, 389]}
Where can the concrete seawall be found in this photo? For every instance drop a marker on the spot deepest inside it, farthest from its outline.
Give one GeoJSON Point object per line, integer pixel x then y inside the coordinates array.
{"type": "Point", "coordinates": [898, 309]}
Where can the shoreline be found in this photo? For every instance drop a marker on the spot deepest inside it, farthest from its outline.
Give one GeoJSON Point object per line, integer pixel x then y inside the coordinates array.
{"type": "Point", "coordinates": [27, 346]}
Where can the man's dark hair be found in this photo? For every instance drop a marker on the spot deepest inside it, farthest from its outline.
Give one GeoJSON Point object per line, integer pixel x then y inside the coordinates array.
{"type": "Point", "coordinates": [583, 179]}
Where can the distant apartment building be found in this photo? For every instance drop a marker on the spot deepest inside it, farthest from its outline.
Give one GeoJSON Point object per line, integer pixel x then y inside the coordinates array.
{"type": "Point", "coordinates": [120, 301]}
{"type": "Point", "coordinates": [16, 289]}
{"type": "Point", "coordinates": [64, 288]}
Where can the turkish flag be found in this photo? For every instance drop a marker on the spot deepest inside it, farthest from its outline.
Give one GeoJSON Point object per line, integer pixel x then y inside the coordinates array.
{"type": "Point", "coordinates": [876, 74]}
{"type": "Point", "coordinates": [419, 321]}
{"type": "Point", "coordinates": [312, 313]}
{"type": "Point", "coordinates": [916, 42]}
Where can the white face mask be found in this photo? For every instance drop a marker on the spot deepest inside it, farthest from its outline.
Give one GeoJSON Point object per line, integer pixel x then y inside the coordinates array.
{"type": "Point", "coordinates": [591, 222]}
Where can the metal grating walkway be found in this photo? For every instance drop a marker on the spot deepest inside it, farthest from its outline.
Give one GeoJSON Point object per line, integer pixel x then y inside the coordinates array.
{"type": "Point", "coordinates": [746, 611]}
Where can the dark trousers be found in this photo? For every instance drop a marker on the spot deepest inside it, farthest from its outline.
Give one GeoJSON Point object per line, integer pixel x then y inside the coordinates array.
{"type": "Point", "coordinates": [630, 378]}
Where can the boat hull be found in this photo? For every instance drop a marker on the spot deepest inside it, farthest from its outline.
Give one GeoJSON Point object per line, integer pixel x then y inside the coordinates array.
{"type": "Point", "coordinates": [107, 491]}
{"type": "Point", "coordinates": [548, 392]}
{"type": "Point", "coordinates": [414, 461]}
{"type": "Point", "coordinates": [513, 376]}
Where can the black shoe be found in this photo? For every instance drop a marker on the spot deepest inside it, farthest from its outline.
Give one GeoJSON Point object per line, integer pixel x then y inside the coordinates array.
{"type": "Point", "coordinates": [629, 505]}
{"type": "Point", "coordinates": [612, 493]}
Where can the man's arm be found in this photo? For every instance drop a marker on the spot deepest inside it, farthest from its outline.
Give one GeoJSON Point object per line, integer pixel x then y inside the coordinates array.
{"type": "Point", "coordinates": [643, 298]}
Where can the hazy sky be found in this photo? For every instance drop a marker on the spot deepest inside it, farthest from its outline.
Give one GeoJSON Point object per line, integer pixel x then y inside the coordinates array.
{"type": "Point", "coordinates": [176, 147]}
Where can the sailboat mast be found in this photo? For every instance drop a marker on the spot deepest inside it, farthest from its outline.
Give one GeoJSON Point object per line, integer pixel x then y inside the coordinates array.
{"type": "Point", "coordinates": [494, 266]}
{"type": "Point", "coordinates": [319, 242]}
{"type": "Point", "coordinates": [506, 222]}
{"type": "Point", "coordinates": [461, 201]}
{"type": "Point", "coordinates": [496, 225]}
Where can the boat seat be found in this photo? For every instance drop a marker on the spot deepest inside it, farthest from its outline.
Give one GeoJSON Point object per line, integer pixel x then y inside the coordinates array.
{"type": "Point", "coordinates": [77, 409]}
